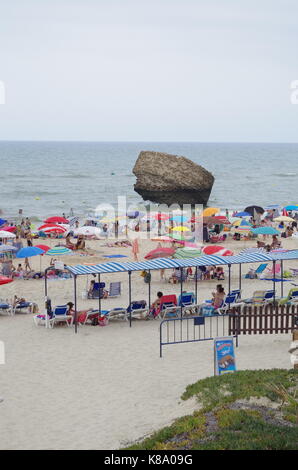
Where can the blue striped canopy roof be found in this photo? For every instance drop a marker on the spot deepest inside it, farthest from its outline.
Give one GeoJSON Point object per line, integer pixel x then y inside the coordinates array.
{"type": "Point", "coordinates": [166, 263]}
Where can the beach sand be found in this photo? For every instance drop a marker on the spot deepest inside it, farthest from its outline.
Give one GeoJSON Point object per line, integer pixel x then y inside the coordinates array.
{"type": "Point", "coordinates": [106, 386]}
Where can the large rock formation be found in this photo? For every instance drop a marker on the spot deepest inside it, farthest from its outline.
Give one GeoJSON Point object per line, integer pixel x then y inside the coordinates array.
{"type": "Point", "coordinates": [169, 179]}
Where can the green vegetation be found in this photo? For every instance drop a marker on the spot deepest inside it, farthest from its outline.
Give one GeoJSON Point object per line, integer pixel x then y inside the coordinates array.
{"type": "Point", "coordinates": [245, 410]}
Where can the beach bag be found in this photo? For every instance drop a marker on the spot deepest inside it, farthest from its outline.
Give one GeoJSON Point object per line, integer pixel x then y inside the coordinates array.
{"type": "Point", "coordinates": [103, 321]}
{"type": "Point", "coordinates": [147, 278]}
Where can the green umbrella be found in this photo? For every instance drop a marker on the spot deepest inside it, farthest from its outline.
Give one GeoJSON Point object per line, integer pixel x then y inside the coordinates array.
{"type": "Point", "coordinates": [187, 253]}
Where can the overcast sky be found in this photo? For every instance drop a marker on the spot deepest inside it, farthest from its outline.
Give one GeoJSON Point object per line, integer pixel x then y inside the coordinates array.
{"type": "Point", "coordinates": [149, 70]}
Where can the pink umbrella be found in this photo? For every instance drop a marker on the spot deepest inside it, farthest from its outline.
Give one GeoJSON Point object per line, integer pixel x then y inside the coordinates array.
{"type": "Point", "coordinates": [160, 252]}
{"type": "Point", "coordinates": [216, 250]}
{"type": "Point", "coordinates": [5, 280]}
{"type": "Point", "coordinates": [9, 228]}
{"type": "Point", "coordinates": [56, 220]}
{"type": "Point", "coordinates": [54, 229]}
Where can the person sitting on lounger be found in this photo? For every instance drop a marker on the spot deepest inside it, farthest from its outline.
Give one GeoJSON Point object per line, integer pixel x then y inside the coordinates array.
{"type": "Point", "coordinates": [156, 305]}
{"type": "Point", "coordinates": [80, 245]}
{"type": "Point", "coordinates": [218, 297]}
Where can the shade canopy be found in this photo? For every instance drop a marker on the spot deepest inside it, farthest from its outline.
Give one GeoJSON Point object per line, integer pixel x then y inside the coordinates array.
{"type": "Point", "coordinates": [166, 263]}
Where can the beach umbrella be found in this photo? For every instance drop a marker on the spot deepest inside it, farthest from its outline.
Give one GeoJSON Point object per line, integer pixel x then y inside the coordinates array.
{"type": "Point", "coordinates": [9, 228]}
{"type": "Point", "coordinates": [291, 208]}
{"type": "Point", "coordinates": [265, 231]}
{"type": "Point", "coordinates": [6, 248]}
{"type": "Point", "coordinates": [283, 218]}
{"type": "Point", "coordinates": [133, 214]}
{"type": "Point", "coordinates": [5, 280]}
{"type": "Point", "coordinates": [252, 209]}
{"type": "Point", "coordinates": [29, 251]}
{"type": "Point", "coordinates": [5, 234]}
{"type": "Point", "coordinates": [160, 252]}
{"type": "Point", "coordinates": [252, 250]}
{"type": "Point", "coordinates": [56, 220]}
{"type": "Point", "coordinates": [2, 222]}
{"type": "Point", "coordinates": [187, 252]}
{"type": "Point", "coordinates": [179, 218]}
{"type": "Point", "coordinates": [243, 214]}
{"type": "Point", "coordinates": [177, 236]}
{"type": "Point", "coordinates": [44, 248]}
{"type": "Point", "coordinates": [59, 250]}
{"type": "Point", "coordinates": [54, 229]}
{"type": "Point", "coordinates": [222, 219]}
{"type": "Point", "coordinates": [161, 217]}
{"type": "Point", "coordinates": [210, 211]}
{"type": "Point", "coordinates": [181, 229]}
{"type": "Point", "coordinates": [216, 250]}
{"type": "Point", "coordinates": [88, 230]}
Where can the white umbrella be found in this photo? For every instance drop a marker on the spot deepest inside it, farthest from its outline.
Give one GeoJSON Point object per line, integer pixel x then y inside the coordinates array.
{"type": "Point", "coordinates": [5, 234]}
{"type": "Point", "coordinates": [88, 230]}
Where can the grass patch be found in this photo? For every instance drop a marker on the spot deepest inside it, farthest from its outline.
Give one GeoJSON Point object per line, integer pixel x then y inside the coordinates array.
{"type": "Point", "coordinates": [229, 420]}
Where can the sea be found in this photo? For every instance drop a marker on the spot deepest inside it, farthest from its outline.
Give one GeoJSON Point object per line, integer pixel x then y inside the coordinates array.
{"type": "Point", "coordinates": [41, 179]}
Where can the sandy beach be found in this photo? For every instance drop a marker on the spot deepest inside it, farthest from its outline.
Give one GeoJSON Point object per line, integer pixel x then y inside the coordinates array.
{"type": "Point", "coordinates": [106, 386]}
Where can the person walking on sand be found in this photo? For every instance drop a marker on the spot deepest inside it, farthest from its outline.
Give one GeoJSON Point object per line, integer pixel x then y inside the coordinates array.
{"type": "Point", "coordinates": [135, 249]}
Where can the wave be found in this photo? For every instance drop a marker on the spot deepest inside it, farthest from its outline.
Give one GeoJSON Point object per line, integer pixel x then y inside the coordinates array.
{"type": "Point", "coordinates": [285, 175]}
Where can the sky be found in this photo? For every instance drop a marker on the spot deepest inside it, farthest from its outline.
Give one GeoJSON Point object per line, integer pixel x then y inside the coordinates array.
{"type": "Point", "coordinates": [140, 70]}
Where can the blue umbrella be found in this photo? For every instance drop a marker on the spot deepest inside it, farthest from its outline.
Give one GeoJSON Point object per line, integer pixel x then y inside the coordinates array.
{"type": "Point", "coordinates": [179, 218]}
{"type": "Point", "coordinates": [29, 251]}
{"type": "Point", "coordinates": [242, 214]}
{"type": "Point", "coordinates": [265, 231]}
{"type": "Point", "coordinates": [2, 222]}
{"type": "Point", "coordinates": [291, 208]}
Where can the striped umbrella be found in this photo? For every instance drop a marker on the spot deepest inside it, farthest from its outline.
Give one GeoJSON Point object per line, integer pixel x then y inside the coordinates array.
{"type": "Point", "coordinates": [54, 229]}
{"type": "Point", "coordinates": [216, 249]}
{"type": "Point", "coordinates": [186, 252]}
{"type": "Point", "coordinates": [58, 250]}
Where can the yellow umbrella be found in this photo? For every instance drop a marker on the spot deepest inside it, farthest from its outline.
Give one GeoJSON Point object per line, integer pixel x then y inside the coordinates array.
{"type": "Point", "coordinates": [210, 211]}
{"type": "Point", "coordinates": [180, 228]}
{"type": "Point", "coordinates": [236, 223]}
{"type": "Point", "coordinates": [283, 218]}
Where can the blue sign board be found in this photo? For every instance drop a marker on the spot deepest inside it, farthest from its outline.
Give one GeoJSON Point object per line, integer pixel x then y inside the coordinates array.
{"type": "Point", "coordinates": [224, 356]}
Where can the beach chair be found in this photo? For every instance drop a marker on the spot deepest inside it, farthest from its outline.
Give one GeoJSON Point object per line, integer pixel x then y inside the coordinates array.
{"type": "Point", "coordinates": [237, 292]}
{"type": "Point", "coordinates": [59, 315]}
{"type": "Point", "coordinates": [255, 273]}
{"type": "Point", "coordinates": [188, 302]}
{"type": "Point", "coordinates": [294, 271]}
{"type": "Point", "coordinates": [115, 313]}
{"type": "Point", "coordinates": [5, 308]}
{"type": "Point", "coordinates": [115, 289]}
{"type": "Point", "coordinates": [23, 307]}
{"type": "Point", "coordinates": [98, 291]}
{"type": "Point", "coordinates": [168, 307]}
{"type": "Point", "coordinates": [257, 298]}
{"type": "Point", "coordinates": [229, 302]}
{"type": "Point", "coordinates": [138, 310]}
{"type": "Point", "coordinates": [269, 296]}
{"type": "Point", "coordinates": [272, 272]}
{"type": "Point", "coordinates": [292, 297]}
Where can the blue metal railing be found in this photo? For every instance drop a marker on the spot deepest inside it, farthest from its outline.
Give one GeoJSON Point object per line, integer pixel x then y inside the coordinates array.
{"type": "Point", "coordinates": [193, 329]}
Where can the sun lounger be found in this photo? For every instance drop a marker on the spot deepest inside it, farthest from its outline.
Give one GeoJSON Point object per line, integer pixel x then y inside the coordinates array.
{"type": "Point", "coordinates": [98, 291]}
{"type": "Point", "coordinates": [229, 302]}
{"type": "Point", "coordinates": [188, 302]}
{"type": "Point", "coordinates": [255, 273]}
{"type": "Point", "coordinates": [60, 315]}
{"type": "Point", "coordinates": [115, 289]}
{"type": "Point", "coordinates": [23, 307]}
{"type": "Point", "coordinates": [168, 307]}
{"type": "Point", "coordinates": [292, 297]}
{"type": "Point", "coordinates": [138, 310]}
{"type": "Point", "coordinates": [294, 271]}
{"type": "Point", "coordinates": [6, 308]}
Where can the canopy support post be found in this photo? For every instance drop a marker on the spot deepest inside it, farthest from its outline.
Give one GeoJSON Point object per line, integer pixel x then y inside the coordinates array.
{"type": "Point", "coordinates": [181, 291]}
{"type": "Point", "coordinates": [99, 298]}
{"type": "Point", "coordinates": [129, 296]}
{"type": "Point", "coordinates": [196, 284]}
{"type": "Point", "coordinates": [75, 303]}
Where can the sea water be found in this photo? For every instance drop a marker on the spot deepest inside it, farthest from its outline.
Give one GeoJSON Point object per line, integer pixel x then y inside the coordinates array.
{"type": "Point", "coordinates": [51, 178]}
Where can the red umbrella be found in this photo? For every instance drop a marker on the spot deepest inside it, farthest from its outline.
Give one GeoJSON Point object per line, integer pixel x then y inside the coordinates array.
{"type": "Point", "coordinates": [9, 228]}
{"type": "Point", "coordinates": [161, 216]}
{"type": "Point", "coordinates": [54, 228]}
{"type": "Point", "coordinates": [160, 252]}
{"type": "Point", "coordinates": [5, 280]}
{"type": "Point", "coordinates": [45, 248]}
{"type": "Point", "coordinates": [56, 220]}
{"type": "Point", "coordinates": [216, 250]}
